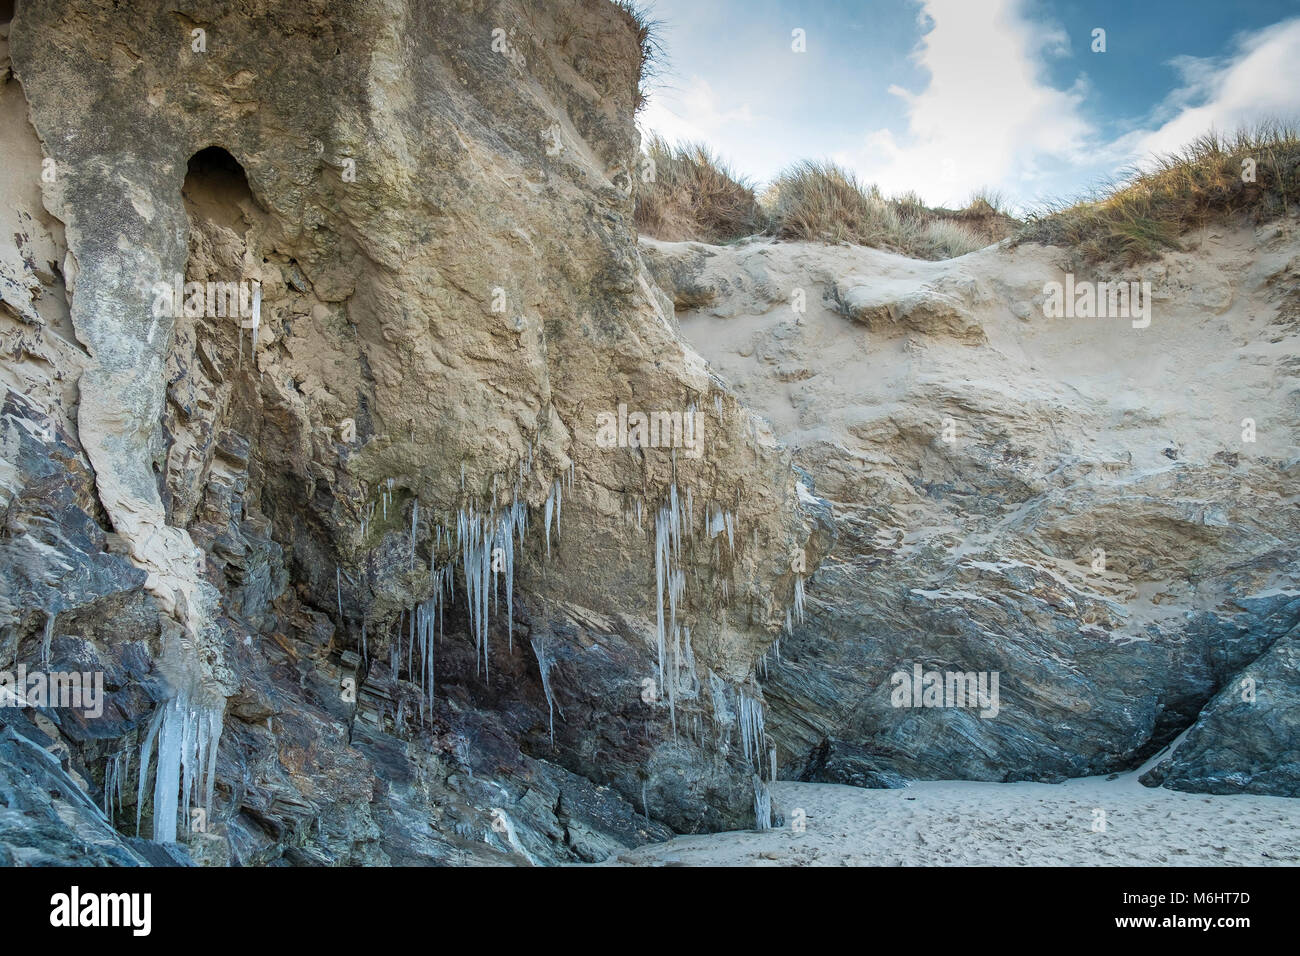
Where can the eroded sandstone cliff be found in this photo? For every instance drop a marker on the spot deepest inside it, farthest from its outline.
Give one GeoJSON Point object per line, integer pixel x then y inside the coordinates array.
{"type": "Point", "coordinates": [1099, 511]}
{"type": "Point", "coordinates": [336, 509]}
{"type": "Point", "coordinates": [354, 440]}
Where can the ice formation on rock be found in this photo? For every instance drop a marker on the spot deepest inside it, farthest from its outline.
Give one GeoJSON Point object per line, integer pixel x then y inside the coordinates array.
{"type": "Point", "coordinates": [188, 732]}
{"type": "Point", "coordinates": [544, 663]}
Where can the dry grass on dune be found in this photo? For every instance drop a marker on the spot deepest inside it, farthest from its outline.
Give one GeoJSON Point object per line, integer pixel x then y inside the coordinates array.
{"type": "Point", "coordinates": [693, 195]}
{"type": "Point", "coordinates": [820, 201]}
{"type": "Point", "coordinates": [1152, 207]}
{"type": "Point", "coordinates": [1144, 213]}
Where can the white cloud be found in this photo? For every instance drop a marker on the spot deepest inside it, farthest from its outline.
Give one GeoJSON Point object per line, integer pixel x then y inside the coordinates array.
{"type": "Point", "coordinates": [984, 114]}
{"type": "Point", "coordinates": [986, 118]}
{"type": "Point", "coordinates": [1260, 80]}
{"type": "Point", "coordinates": [693, 114]}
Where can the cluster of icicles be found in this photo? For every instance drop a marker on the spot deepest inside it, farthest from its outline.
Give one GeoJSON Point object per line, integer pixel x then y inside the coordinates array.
{"type": "Point", "coordinates": [187, 732]}
{"type": "Point", "coordinates": [746, 713]}
{"type": "Point", "coordinates": [675, 519]}
{"type": "Point", "coordinates": [484, 545]}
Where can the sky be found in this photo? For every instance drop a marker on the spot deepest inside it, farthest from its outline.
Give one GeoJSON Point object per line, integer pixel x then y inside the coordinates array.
{"type": "Point", "coordinates": [949, 97]}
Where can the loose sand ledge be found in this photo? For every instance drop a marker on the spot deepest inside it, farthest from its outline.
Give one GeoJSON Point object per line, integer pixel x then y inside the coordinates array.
{"type": "Point", "coordinates": [956, 823]}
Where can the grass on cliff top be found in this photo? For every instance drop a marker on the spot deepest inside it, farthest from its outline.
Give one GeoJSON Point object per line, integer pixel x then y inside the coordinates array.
{"type": "Point", "coordinates": [694, 195]}
{"type": "Point", "coordinates": [1151, 207]}
{"type": "Point", "coordinates": [648, 32]}
{"type": "Point", "coordinates": [1146, 212]}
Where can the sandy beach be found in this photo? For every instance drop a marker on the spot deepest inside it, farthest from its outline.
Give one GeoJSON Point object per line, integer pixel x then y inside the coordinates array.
{"type": "Point", "coordinates": [962, 823]}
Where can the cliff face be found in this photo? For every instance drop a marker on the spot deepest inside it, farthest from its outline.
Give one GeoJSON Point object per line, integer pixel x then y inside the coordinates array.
{"type": "Point", "coordinates": [351, 440]}
{"type": "Point", "coordinates": [317, 319]}
{"type": "Point", "coordinates": [1100, 514]}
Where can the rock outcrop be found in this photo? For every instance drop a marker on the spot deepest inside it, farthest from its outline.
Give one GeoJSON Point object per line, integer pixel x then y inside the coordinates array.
{"type": "Point", "coordinates": [391, 503]}
{"type": "Point", "coordinates": [1101, 515]}
{"type": "Point", "coordinates": [314, 318]}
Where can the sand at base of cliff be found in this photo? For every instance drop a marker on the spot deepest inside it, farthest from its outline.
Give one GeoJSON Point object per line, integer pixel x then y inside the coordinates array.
{"type": "Point", "coordinates": [955, 823]}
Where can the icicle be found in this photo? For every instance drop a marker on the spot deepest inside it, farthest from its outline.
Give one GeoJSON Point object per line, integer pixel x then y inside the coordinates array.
{"type": "Point", "coordinates": [670, 582]}
{"type": "Point", "coordinates": [477, 536]}
{"type": "Point", "coordinates": [559, 507]}
{"type": "Point", "coordinates": [47, 640]}
{"type": "Point", "coordinates": [425, 614]}
{"type": "Point", "coordinates": [338, 590]}
{"type": "Point", "coordinates": [550, 511]}
{"type": "Point", "coordinates": [690, 662]}
{"type": "Point", "coordinates": [762, 805]}
{"type": "Point", "coordinates": [672, 680]}
{"type": "Point", "coordinates": [146, 752]}
{"type": "Point", "coordinates": [544, 664]}
{"type": "Point", "coordinates": [256, 313]}
{"type": "Point", "coordinates": [415, 520]}
{"type": "Point", "coordinates": [752, 735]}
{"type": "Point", "coordinates": [188, 736]}
{"type": "Point", "coordinates": [507, 536]}
{"type": "Point", "coordinates": [116, 771]}
{"type": "Point", "coordinates": [110, 769]}
{"type": "Point", "coordinates": [722, 717]}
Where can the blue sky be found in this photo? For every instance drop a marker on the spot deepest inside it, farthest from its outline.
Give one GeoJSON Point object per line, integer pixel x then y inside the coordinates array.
{"type": "Point", "coordinates": [945, 97]}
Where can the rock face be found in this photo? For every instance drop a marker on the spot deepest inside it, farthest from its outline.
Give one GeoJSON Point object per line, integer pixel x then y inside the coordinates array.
{"type": "Point", "coordinates": [352, 451]}
{"type": "Point", "coordinates": [1245, 740]}
{"type": "Point", "coordinates": [1099, 515]}
{"type": "Point", "coordinates": [316, 322]}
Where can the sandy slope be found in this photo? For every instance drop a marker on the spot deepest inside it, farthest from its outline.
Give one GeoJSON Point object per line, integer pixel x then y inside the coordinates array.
{"type": "Point", "coordinates": [955, 823]}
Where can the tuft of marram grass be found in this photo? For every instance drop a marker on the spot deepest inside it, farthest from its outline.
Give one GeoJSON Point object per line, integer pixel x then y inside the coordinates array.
{"type": "Point", "coordinates": [1150, 208]}
{"type": "Point", "coordinates": [823, 202]}
{"type": "Point", "coordinates": [694, 195]}
{"type": "Point", "coordinates": [947, 239]}
{"type": "Point", "coordinates": [648, 32]}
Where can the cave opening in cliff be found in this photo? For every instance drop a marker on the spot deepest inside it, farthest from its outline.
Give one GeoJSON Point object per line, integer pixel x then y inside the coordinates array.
{"type": "Point", "coordinates": [217, 304]}
{"type": "Point", "coordinates": [6, 11]}
{"type": "Point", "coordinates": [216, 187]}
